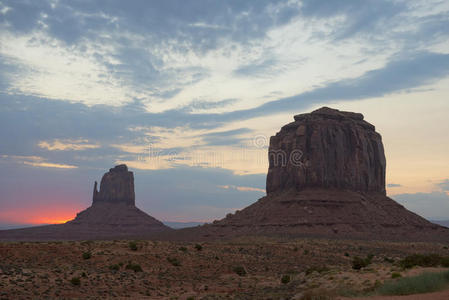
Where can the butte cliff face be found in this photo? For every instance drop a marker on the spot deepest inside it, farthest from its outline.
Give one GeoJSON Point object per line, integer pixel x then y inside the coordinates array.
{"type": "Point", "coordinates": [326, 178]}
{"type": "Point", "coordinates": [327, 149]}
{"type": "Point", "coordinates": [117, 186]}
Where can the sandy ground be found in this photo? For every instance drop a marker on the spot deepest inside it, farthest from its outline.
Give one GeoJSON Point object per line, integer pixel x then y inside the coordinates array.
{"type": "Point", "coordinates": [177, 270]}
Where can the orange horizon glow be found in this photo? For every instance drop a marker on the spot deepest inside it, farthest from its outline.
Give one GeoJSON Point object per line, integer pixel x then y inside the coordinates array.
{"type": "Point", "coordinates": [39, 216]}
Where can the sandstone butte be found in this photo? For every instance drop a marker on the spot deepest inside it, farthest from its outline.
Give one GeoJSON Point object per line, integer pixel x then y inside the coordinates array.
{"type": "Point", "coordinates": [326, 178]}
{"type": "Point", "coordinates": [113, 215]}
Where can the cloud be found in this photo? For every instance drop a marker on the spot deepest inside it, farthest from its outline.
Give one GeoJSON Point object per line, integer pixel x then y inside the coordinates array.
{"type": "Point", "coordinates": [393, 185]}
{"type": "Point", "coordinates": [35, 161]}
{"type": "Point", "coordinates": [67, 144]}
{"type": "Point", "coordinates": [242, 188]}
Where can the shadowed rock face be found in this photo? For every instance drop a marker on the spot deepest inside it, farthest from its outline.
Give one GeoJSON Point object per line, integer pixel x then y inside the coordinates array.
{"type": "Point", "coordinates": [117, 186]}
{"type": "Point", "coordinates": [327, 148]}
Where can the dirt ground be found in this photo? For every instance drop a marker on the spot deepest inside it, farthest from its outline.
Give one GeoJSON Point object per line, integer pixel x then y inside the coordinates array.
{"type": "Point", "coordinates": [244, 268]}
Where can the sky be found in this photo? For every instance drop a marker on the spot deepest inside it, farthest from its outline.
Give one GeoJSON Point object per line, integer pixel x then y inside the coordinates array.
{"type": "Point", "coordinates": [188, 93]}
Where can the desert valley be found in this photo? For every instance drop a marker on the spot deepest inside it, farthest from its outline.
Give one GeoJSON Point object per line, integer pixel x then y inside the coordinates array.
{"type": "Point", "coordinates": [325, 230]}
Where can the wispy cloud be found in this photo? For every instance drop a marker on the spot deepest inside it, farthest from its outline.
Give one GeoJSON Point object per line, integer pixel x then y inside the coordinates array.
{"type": "Point", "coordinates": [67, 144]}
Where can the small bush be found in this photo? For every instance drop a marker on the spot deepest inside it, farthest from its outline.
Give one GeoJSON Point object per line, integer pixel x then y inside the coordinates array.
{"type": "Point", "coordinates": [190, 298]}
{"type": "Point", "coordinates": [346, 254]}
{"type": "Point", "coordinates": [359, 263]}
{"type": "Point", "coordinates": [135, 267]}
{"type": "Point", "coordinates": [239, 270]}
{"type": "Point", "coordinates": [133, 246]}
{"type": "Point", "coordinates": [285, 279]}
{"type": "Point", "coordinates": [75, 281]}
{"type": "Point", "coordinates": [389, 260]}
{"type": "Point", "coordinates": [114, 267]}
{"type": "Point", "coordinates": [198, 247]}
{"type": "Point", "coordinates": [319, 269]}
{"type": "Point", "coordinates": [183, 249]}
{"type": "Point", "coordinates": [424, 283]}
{"type": "Point", "coordinates": [84, 275]}
{"type": "Point", "coordinates": [87, 255]}
{"type": "Point", "coordinates": [174, 261]}
{"type": "Point", "coordinates": [395, 275]}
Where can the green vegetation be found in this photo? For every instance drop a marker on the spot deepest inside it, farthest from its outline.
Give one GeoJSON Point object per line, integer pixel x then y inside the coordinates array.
{"type": "Point", "coordinates": [239, 270]}
{"type": "Point", "coordinates": [114, 267]}
{"type": "Point", "coordinates": [87, 255]}
{"type": "Point", "coordinates": [424, 260]}
{"type": "Point", "coordinates": [174, 261]}
{"type": "Point", "coordinates": [359, 263]}
{"type": "Point", "coordinates": [395, 275]}
{"type": "Point", "coordinates": [319, 269]}
{"type": "Point", "coordinates": [198, 247]}
{"type": "Point", "coordinates": [424, 283]}
{"type": "Point", "coordinates": [285, 279]}
{"type": "Point", "coordinates": [133, 246]}
{"type": "Point", "coordinates": [75, 281]}
{"type": "Point", "coordinates": [389, 260]}
{"type": "Point", "coordinates": [134, 267]}
{"type": "Point", "coordinates": [183, 249]}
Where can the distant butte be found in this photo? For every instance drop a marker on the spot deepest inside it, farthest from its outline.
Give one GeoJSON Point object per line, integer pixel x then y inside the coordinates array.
{"type": "Point", "coordinates": [326, 178]}
{"type": "Point", "coordinates": [113, 214]}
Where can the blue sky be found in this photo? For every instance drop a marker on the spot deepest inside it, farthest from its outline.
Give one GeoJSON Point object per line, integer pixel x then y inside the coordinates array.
{"type": "Point", "coordinates": [187, 93]}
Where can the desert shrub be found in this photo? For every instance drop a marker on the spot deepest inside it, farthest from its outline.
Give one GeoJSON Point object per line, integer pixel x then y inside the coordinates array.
{"type": "Point", "coordinates": [87, 255]}
{"type": "Point", "coordinates": [134, 267]}
{"type": "Point", "coordinates": [114, 267]}
{"type": "Point", "coordinates": [285, 279]}
{"type": "Point", "coordinates": [183, 249]}
{"type": "Point", "coordinates": [174, 261]}
{"type": "Point", "coordinates": [190, 298]}
{"type": "Point", "coordinates": [395, 275]}
{"type": "Point", "coordinates": [306, 252]}
{"type": "Point", "coordinates": [389, 260]}
{"type": "Point", "coordinates": [198, 247]}
{"type": "Point", "coordinates": [133, 246]}
{"type": "Point", "coordinates": [239, 270]}
{"type": "Point", "coordinates": [346, 254]}
{"type": "Point", "coordinates": [359, 263]}
{"type": "Point", "coordinates": [319, 269]}
{"type": "Point", "coordinates": [84, 275]}
{"type": "Point", "coordinates": [75, 281]}
{"type": "Point", "coordinates": [422, 260]}
{"type": "Point", "coordinates": [423, 283]}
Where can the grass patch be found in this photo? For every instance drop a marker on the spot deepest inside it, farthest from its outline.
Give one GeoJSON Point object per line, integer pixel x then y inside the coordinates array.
{"type": "Point", "coordinates": [424, 283]}
{"type": "Point", "coordinates": [424, 260]}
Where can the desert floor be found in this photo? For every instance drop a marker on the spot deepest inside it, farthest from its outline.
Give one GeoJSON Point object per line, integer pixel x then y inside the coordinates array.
{"type": "Point", "coordinates": [244, 268]}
